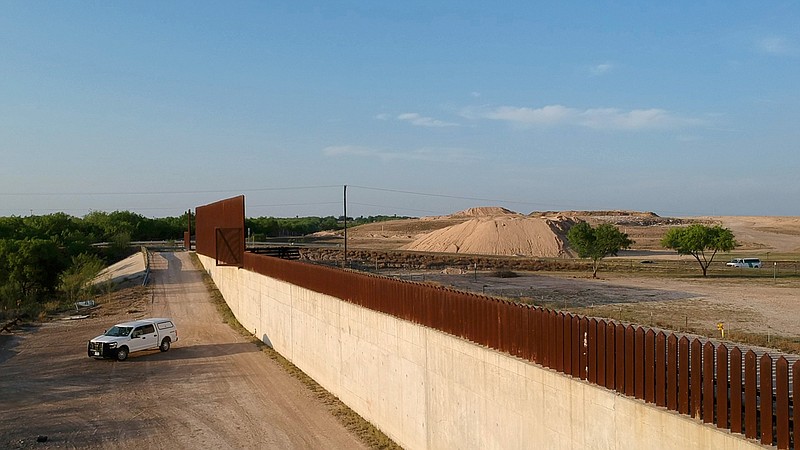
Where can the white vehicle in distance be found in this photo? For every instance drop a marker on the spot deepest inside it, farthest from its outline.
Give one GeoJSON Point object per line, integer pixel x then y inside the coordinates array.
{"type": "Point", "coordinates": [125, 338]}
{"type": "Point", "coordinates": [752, 263]}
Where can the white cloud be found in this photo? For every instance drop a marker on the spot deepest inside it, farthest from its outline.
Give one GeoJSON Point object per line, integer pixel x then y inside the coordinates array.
{"type": "Point", "coordinates": [637, 119]}
{"type": "Point", "coordinates": [594, 118]}
{"type": "Point", "coordinates": [547, 115]}
{"type": "Point", "coordinates": [430, 154]}
{"type": "Point", "coordinates": [601, 69]}
{"type": "Point", "coordinates": [422, 121]}
{"type": "Point", "coordinates": [418, 120]}
{"type": "Point", "coordinates": [775, 45]}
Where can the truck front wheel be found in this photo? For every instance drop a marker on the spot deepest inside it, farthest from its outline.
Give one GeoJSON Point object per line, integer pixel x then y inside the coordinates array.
{"type": "Point", "coordinates": [164, 345]}
{"type": "Point", "coordinates": [122, 354]}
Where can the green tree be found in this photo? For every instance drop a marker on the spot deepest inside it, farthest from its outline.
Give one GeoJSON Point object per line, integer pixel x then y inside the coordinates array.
{"type": "Point", "coordinates": [32, 265]}
{"type": "Point", "coordinates": [597, 243]}
{"type": "Point", "coordinates": [107, 225]}
{"type": "Point", "coordinates": [49, 226]}
{"type": "Point", "coordinates": [119, 246]}
{"type": "Point", "coordinates": [697, 240]}
{"type": "Point", "coordinates": [75, 281]}
{"type": "Point", "coordinates": [11, 227]}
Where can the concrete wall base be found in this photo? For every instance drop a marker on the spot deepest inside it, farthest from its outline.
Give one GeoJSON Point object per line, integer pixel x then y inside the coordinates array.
{"type": "Point", "coordinates": [428, 390]}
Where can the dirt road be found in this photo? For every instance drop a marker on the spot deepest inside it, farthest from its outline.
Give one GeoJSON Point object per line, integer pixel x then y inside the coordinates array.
{"type": "Point", "coordinates": [213, 389]}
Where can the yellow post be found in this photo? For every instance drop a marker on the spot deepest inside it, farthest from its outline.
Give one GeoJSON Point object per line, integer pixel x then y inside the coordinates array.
{"type": "Point", "coordinates": [721, 328]}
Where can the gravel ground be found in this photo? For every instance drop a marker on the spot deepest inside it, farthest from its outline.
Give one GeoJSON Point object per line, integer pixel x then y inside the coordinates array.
{"type": "Point", "coordinates": [213, 389]}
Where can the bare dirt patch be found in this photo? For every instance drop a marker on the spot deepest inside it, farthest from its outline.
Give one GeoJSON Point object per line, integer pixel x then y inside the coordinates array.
{"type": "Point", "coordinates": [666, 291]}
{"type": "Point", "coordinates": [756, 310]}
{"type": "Point", "coordinates": [212, 389]}
{"type": "Point", "coordinates": [647, 284]}
{"type": "Point", "coordinates": [775, 234]}
{"type": "Point", "coordinates": [754, 233]}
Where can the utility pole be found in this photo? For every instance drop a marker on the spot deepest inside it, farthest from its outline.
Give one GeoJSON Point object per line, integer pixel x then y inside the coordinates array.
{"type": "Point", "coordinates": [345, 225]}
{"type": "Point", "coordinates": [188, 242]}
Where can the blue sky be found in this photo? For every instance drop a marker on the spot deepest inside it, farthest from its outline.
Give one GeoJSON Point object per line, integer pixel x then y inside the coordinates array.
{"type": "Point", "coordinates": [421, 108]}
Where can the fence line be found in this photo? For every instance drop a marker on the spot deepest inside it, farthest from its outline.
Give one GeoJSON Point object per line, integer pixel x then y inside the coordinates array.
{"type": "Point", "coordinates": [732, 389]}
{"type": "Point", "coordinates": [735, 390]}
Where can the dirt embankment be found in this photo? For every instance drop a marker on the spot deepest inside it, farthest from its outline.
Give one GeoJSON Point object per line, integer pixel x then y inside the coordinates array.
{"type": "Point", "coordinates": [766, 234]}
{"type": "Point", "coordinates": [464, 249]}
{"type": "Point", "coordinates": [498, 231]}
{"type": "Point", "coordinates": [507, 235]}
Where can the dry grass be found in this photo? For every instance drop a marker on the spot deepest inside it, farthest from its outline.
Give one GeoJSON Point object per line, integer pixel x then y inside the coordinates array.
{"type": "Point", "coordinates": [692, 316]}
{"type": "Point", "coordinates": [368, 433]}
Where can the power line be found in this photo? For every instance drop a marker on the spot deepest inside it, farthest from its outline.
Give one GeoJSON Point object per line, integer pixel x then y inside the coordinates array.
{"type": "Point", "coordinates": [44, 194]}
{"type": "Point", "coordinates": [284, 188]}
{"type": "Point", "coordinates": [548, 206]}
{"type": "Point", "coordinates": [65, 210]}
{"type": "Point", "coordinates": [457, 197]}
{"type": "Point", "coordinates": [536, 205]}
{"type": "Point", "coordinates": [293, 204]}
{"type": "Point", "coordinates": [393, 208]}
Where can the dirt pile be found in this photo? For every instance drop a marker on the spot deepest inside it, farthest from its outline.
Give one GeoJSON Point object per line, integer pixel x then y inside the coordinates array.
{"type": "Point", "coordinates": [501, 232]}
{"type": "Point", "coordinates": [507, 234]}
{"type": "Point", "coordinates": [776, 233]}
{"type": "Point", "coordinates": [485, 211]}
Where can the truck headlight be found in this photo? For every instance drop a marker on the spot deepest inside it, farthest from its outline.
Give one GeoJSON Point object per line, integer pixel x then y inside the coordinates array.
{"type": "Point", "coordinates": [112, 345]}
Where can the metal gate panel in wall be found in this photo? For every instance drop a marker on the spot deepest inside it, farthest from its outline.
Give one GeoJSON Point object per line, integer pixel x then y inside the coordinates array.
{"type": "Point", "coordinates": [229, 242]}
{"type": "Point", "coordinates": [220, 231]}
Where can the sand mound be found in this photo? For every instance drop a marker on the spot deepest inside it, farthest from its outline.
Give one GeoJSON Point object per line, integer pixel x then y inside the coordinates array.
{"type": "Point", "coordinates": [774, 233]}
{"type": "Point", "coordinates": [484, 211]}
{"type": "Point", "coordinates": [508, 234]}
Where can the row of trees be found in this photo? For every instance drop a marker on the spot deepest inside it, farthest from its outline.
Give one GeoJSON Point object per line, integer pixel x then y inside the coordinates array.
{"type": "Point", "coordinates": [700, 241]}
{"type": "Point", "coordinates": [264, 227]}
{"type": "Point", "coordinates": [94, 227]}
{"type": "Point", "coordinates": [51, 257]}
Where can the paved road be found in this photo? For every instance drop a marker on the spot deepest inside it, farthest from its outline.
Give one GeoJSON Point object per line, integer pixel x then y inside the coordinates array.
{"type": "Point", "coordinates": [213, 389]}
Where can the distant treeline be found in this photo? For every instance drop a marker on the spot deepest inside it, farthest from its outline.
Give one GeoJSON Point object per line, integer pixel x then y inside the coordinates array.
{"type": "Point", "coordinates": [79, 233]}
{"type": "Point", "coordinates": [92, 228]}
{"type": "Point", "coordinates": [48, 259]}
{"type": "Point", "coordinates": [265, 227]}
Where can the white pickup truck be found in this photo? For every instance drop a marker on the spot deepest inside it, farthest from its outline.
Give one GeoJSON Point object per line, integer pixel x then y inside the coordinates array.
{"type": "Point", "coordinates": [124, 338]}
{"type": "Point", "coordinates": [753, 263]}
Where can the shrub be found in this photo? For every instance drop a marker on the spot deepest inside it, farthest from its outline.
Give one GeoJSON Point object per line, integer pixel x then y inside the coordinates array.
{"type": "Point", "coordinates": [504, 274]}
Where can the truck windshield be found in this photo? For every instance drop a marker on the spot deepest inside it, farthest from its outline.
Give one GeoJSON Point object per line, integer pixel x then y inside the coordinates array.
{"type": "Point", "coordinates": [119, 331]}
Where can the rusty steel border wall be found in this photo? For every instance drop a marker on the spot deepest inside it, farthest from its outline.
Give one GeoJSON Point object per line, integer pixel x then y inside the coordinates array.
{"type": "Point", "coordinates": [735, 390]}
{"type": "Point", "coordinates": [727, 388]}
{"type": "Point", "coordinates": [220, 230]}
